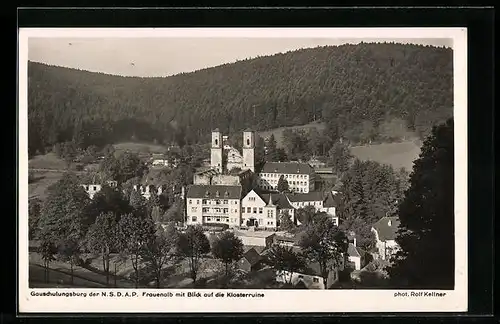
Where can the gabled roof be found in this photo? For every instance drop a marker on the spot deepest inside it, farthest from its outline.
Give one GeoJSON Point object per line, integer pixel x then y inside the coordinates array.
{"type": "Point", "coordinates": [287, 168]}
{"type": "Point", "coordinates": [214, 192]}
{"type": "Point", "coordinates": [387, 228]}
{"type": "Point", "coordinates": [331, 200]}
{"type": "Point", "coordinates": [252, 256]}
{"type": "Point", "coordinates": [259, 249]}
{"type": "Point", "coordinates": [279, 200]}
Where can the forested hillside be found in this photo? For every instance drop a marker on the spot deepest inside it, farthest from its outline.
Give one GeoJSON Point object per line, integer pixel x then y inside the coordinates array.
{"type": "Point", "coordinates": [352, 88]}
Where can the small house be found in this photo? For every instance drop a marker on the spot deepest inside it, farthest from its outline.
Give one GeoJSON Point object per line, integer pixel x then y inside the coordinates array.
{"type": "Point", "coordinates": [250, 261]}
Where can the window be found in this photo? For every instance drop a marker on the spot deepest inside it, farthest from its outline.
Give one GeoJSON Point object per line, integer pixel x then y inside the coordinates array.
{"type": "Point", "coordinates": [190, 201]}
{"type": "Point", "coordinates": [217, 202]}
{"type": "Point", "coordinates": [315, 280]}
{"type": "Point", "coordinates": [243, 209]}
{"type": "Point", "coordinates": [248, 142]}
{"type": "Point", "coordinates": [225, 201]}
{"type": "Point", "coordinates": [193, 219]}
{"type": "Point", "coordinates": [194, 209]}
{"type": "Point", "coordinates": [204, 201]}
{"type": "Point", "coordinates": [218, 219]}
{"type": "Point", "coordinates": [198, 202]}
{"type": "Point", "coordinates": [249, 210]}
{"type": "Point", "coordinates": [208, 219]}
{"type": "Point", "coordinates": [225, 210]}
{"type": "Point", "coordinates": [260, 210]}
{"type": "Point", "coordinates": [255, 210]}
{"type": "Point", "coordinates": [301, 277]}
{"type": "Point", "coordinates": [205, 209]}
{"type": "Point", "coordinates": [227, 220]}
{"type": "Point", "coordinates": [251, 198]}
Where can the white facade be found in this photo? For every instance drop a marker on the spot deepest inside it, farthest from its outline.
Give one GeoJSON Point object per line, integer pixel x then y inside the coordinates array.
{"type": "Point", "coordinates": [92, 189]}
{"type": "Point", "coordinates": [297, 181]}
{"type": "Point", "coordinates": [357, 262]}
{"type": "Point", "coordinates": [213, 211]}
{"type": "Point", "coordinates": [256, 211]}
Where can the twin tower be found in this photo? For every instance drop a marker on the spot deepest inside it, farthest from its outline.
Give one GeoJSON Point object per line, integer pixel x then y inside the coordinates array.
{"type": "Point", "coordinates": [217, 151]}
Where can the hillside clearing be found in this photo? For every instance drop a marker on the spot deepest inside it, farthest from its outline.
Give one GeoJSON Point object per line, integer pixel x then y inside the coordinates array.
{"type": "Point", "coordinates": [278, 132]}
{"type": "Point", "coordinates": [43, 180]}
{"type": "Point", "coordinates": [399, 155]}
{"type": "Point", "coordinates": [139, 147]}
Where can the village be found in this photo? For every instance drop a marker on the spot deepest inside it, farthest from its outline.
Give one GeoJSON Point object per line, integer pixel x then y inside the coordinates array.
{"type": "Point", "coordinates": [229, 194]}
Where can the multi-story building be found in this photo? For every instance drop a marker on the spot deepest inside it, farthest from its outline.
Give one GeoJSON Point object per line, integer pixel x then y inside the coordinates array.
{"type": "Point", "coordinates": [322, 201]}
{"type": "Point", "coordinates": [213, 204]}
{"type": "Point", "coordinates": [93, 189]}
{"type": "Point", "coordinates": [263, 211]}
{"type": "Point", "coordinates": [300, 176]}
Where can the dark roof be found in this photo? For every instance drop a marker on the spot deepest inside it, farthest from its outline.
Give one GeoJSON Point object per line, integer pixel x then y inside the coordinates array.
{"type": "Point", "coordinates": [259, 249]}
{"type": "Point", "coordinates": [278, 199]}
{"type": "Point", "coordinates": [252, 256]}
{"type": "Point", "coordinates": [310, 196]}
{"type": "Point", "coordinates": [353, 251]}
{"type": "Point", "coordinates": [384, 230]}
{"type": "Point", "coordinates": [214, 192]}
{"type": "Point", "coordinates": [287, 168]}
{"type": "Point", "coordinates": [216, 130]}
{"type": "Point", "coordinates": [248, 130]}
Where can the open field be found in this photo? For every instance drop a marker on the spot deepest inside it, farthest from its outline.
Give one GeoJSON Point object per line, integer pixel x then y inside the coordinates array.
{"type": "Point", "coordinates": [278, 132]}
{"type": "Point", "coordinates": [47, 161]}
{"type": "Point", "coordinates": [396, 154]}
{"type": "Point", "coordinates": [43, 180]}
{"type": "Point", "coordinates": [139, 147]}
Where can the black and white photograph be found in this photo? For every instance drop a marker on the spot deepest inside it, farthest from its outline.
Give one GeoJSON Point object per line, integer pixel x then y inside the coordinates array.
{"type": "Point", "coordinates": [253, 163]}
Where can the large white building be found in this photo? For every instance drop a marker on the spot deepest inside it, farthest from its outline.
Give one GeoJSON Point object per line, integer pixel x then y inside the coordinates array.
{"type": "Point", "coordinates": [264, 211]}
{"type": "Point", "coordinates": [213, 204]}
{"type": "Point", "coordinates": [300, 176]}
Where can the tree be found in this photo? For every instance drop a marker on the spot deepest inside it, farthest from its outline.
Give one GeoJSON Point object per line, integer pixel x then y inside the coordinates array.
{"type": "Point", "coordinates": [130, 166]}
{"type": "Point", "coordinates": [194, 245]}
{"type": "Point", "coordinates": [286, 223]}
{"type": "Point", "coordinates": [133, 234]}
{"type": "Point", "coordinates": [228, 248]}
{"type": "Point", "coordinates": [305, 215]}
{"type": "Point", "coordinates": [284, 260]}
{"type": "Point", "coordinates": [108, 200]}
{"type": "Point", "coordinates": [325, 243]}
{"type": "Point", "coordinates": [138, 203]}
{"type": "Point", "coordinates": [64, 213]}
{"type": "Point", "coordinates": [271, 149]}
{"type": "Point", "coordinates": [314, 141]}
{"type": "Point", "coordinates": [339, 157]}
{"type": "Point", "coordinates": [283, 185]}
{"type": "Point", "coordinates": [69, 251]}
{"type": "Point", "coordinates": [47, 251]}
{"type": "Point", "coordinates": [34, 209]}
{"type": "Point", "coordinates": [426, 259]}
{"type": "Point", "coordinates": [174, 213]}
{"type": "Point", "coordinates": [158, 249]}
{"type": "Point", "coordinates": [102, 239]}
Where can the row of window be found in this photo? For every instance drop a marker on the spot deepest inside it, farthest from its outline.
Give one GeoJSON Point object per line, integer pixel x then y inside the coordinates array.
{"type": "Point", "coordinates": [249, 210]}
{"type": "Point", "coordinates": [287, 176]}
{"type": "Point", "coordinates": [217, 202]}
{"type": "Point", "coordinates": [293, 189]}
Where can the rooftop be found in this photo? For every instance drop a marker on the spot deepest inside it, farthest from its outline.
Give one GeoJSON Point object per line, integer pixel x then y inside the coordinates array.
{"type": "Point", "coordinates": [387, 228]}
{"type": "Point", "coordinates": [253, 233]}
{"type": "Point", "coordinates": [252, 256]}
{"type": "Point", "coordinates": [353, 251]}
{"type": "Point", "coordinates": [287, 168]}
{"type": "Point", "coordinates": [310, 196]}
{"type": "Point", "coordinates": [214, 192]}
{"type": "Point", "coordinates": [279, 200]}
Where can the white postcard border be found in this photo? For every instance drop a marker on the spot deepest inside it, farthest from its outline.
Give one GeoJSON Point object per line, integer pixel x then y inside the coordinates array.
{"type": "Point", "coordinates": [274, 300]}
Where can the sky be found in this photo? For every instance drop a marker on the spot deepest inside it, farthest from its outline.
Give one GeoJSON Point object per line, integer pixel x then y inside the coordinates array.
{"type": "Point", "coordinates": [153, 57]}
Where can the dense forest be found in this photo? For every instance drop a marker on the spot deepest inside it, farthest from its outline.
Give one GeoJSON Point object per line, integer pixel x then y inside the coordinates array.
{"type": "Point", "coordinates": [352, 88]}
